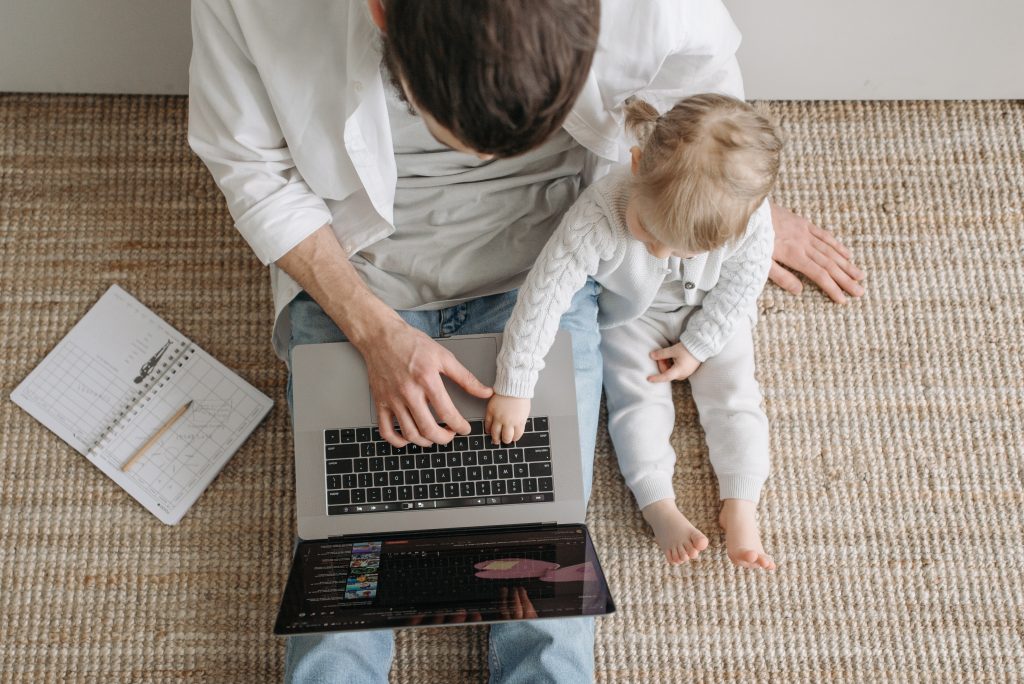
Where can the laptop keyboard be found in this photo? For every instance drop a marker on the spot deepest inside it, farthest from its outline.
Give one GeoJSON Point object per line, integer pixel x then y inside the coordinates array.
{"type": "Point", "coordinates": [365, 474]}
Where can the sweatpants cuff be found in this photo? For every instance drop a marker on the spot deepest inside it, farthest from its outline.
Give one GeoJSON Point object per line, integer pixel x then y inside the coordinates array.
{"type": "Point", "coordinates": [653, 488]}
{"type": "Point", "coordinates": [746, 487]}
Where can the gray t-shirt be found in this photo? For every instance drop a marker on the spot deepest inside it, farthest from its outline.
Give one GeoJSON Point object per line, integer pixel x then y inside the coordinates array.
{"type": "Point", "coordinates": [466, 228]}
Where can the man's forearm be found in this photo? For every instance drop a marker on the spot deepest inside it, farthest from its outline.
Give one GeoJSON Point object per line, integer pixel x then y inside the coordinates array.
{"type": "Point", "coordinates": [320, 265]}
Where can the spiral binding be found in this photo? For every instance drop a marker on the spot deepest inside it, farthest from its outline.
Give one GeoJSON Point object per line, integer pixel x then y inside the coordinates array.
{"type": "Point", "coordinates": [167, 367]}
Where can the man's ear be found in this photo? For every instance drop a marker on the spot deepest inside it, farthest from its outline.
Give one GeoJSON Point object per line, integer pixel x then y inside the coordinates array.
{"type": "Point", "coordinates": [377, 12]}
{"type": "Point", "coordinates": [634, 153]}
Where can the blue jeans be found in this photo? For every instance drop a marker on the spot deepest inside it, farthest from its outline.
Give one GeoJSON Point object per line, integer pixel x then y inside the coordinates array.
{"type": "Point", "coordinates": [547, 650]}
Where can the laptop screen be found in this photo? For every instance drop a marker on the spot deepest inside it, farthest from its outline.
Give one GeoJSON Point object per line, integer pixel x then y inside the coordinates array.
{"type": "Point", "coordinates": [443, 578]}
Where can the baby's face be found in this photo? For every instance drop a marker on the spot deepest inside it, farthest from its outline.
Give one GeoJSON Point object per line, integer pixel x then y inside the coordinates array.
{"type": "Point", "coordinates": [656, 248]}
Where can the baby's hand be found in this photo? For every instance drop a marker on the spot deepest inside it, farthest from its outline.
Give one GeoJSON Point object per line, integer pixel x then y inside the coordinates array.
{"type": "Point", "coordinates": [506, 418]}
{"type": "Point", "coordinates": [674, 363]}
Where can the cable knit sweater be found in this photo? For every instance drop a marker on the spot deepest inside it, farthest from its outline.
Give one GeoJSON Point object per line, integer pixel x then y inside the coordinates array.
{"type": "Point", "coordinates": [593, 240]}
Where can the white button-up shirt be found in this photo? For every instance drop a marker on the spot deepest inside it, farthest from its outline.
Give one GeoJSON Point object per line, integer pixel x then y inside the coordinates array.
{"type": "Point", "coordinates": [287, 109]}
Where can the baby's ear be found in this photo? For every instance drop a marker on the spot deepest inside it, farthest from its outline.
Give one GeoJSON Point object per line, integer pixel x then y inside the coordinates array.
{"type": "Point", "coordinates": [635, 154]}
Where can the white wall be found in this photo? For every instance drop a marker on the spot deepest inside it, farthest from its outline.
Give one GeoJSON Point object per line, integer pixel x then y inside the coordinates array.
{"type": "Point", "coordinates": [792, 49]}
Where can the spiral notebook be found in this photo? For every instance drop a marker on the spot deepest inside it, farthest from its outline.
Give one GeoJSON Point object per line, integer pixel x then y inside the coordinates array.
{"type": "Point", "coordinates": [116, 379]}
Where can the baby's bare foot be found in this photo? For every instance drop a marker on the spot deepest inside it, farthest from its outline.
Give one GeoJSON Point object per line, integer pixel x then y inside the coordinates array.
{"type": "Point", "coordinates": [742, 538]}
{"type": "Point", "coordinates": [680, 540]}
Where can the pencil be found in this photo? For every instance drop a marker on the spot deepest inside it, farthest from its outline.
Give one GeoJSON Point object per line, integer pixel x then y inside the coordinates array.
{"type": "Point", "coordinates": [159, 433]}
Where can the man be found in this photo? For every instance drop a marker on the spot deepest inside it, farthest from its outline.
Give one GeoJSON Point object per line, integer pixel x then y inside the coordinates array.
{"type": "Point", "coordinates": [401, 164]}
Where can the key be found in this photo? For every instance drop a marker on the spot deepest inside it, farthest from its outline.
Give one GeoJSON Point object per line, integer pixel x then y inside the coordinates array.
{"type": "Point", "coordinates": [412, 448]}
{"type": "Point", "coordinates": [533, 439]}
{"type": "Point", "coordinates": [437, 460]}
{"type": "Point", "coordinates": [366, 480]}
{"type": "Point", "coordinates": [454, 460]}
{"type": "Point", "coordinates": [466, 489]}
{"type": "Point", "coordinates": [490, 472]}
{"type": "Point", "coordinates": [380, 479]}
{"type": "Point", "coordinates": [424, 476]}
{"type": "Point", "coordinates": [342, 451]}
{"type": "Point", "coordinates": [436, 491]}
{"type": "Point", "coordinates": [389, 494]}
{"type": "Point", "coordinates": [498, 487]}
{"type": "Point", "coordinates": [398, 451]}
{"type": "Point", "coordinates": [538, 454]}
{"type": "Point", "coordinates": [473, 473]}
{"type": "Point", "coordinates": [420, 491]}
{"type": "Point", "coordinates": [520, 470]}
{"type": "Point", "coordinates": [483, 488]}
{"type": "Point", "coordinates": [458, 474]}
{"type": "Point", "coordinates": [485, 457]}
{"type": "Point", "coordinates": [476, 427]}
{"type": "Point", "coordinates": [408, 462]}
{"type": "Point", "coordinates": [348, 481]}
{"type": "Point", "coordinates": [358, 496]}
{"type": "Point", "coordinates": [501, 456]}
{"type": "Point", "coordinates": [443, 475]}
{"type": "Point", "coordinates": [460, 443]}
{"type": "Point", "coordinates": [391, 463]}
{"type": "Point", "coordinates": [396, 478]}
{"type": "Point", "coordinates": [545, 484]}
{"type": "Point", "coordinates": [515, 486]}
{"type": "Point", "coordinates": [363, 434]}
{"type": "Point", "coordinates": [529, 425]}
{"type": "Point", "coordinates": [469, 458]}
{"type": "Point", "coordinates": [375, 435]}
{"type": "Point", "coordinates": [334, 467]}
{"type": "Point", "coordinates": [348, 436]}
{"type": "Point", "coordinates": [334, 481]}
{"type": "Point", "coordinates": [476, 442]}
{"type": "Point", "coordinates": [336, 498]}
{"type": "Point", "coordinates": [383, 448]}
{"type": "Point", "coordinates": [540, 469]}
{"type": "Point", "coordinates": [404, 493]}
{"type": "Point", "coordinates": [540, 424]}
{"type": "Point", "coordinates": [422, 461]}
{"type": "Point", "coordinates": [515, 455]}
{"type": "Point", "coordinates": [504, 472]}
{"type": "Point", "coordinates": [367, 449]}
{"type": "Point", "coordinates": [529, 485]}
{"type": "Point", "coordinates": [451, 490]}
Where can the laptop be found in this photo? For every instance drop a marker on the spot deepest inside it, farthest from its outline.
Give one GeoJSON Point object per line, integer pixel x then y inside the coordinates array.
{"type": "Point", "coordinates": [470, 531]}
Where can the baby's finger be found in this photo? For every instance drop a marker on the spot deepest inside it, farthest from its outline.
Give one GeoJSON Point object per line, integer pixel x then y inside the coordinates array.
{"type": "Point", "coordinates": [667, 376]}
{"type": "Point", "coordinates": [664, 353]}
{"type": "Point", "coordinates": [520, 429]}
{"type": "Point", "coordinates": [508, 432]}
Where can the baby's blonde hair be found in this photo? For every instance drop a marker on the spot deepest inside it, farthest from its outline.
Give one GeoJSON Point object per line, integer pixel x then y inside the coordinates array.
{"type": "Point", "coordinates": [705, 166]}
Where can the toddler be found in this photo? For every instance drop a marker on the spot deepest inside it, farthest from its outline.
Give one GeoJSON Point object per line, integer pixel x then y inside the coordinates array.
{"type": "Point", "coordinates": [681, 244]}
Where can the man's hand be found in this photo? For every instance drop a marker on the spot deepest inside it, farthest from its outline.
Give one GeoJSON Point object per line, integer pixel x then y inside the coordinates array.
{"type": "Point", "coordinates": [506, 418]}
{"type": "Point", "coordinates": [405, 368]}
{"type": "Point", "coordinates": [674, 363]}
{"type": "Point", "coordinates": [804, 247]}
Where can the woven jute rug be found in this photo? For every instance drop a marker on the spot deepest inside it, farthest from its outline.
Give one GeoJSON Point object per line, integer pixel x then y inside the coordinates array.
{"type": "Point", "coordinates": [894, 506]}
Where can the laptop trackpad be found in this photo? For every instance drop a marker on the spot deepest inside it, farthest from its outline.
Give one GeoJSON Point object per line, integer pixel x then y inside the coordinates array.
{"type": "Point", "coordinates": [479, 355]}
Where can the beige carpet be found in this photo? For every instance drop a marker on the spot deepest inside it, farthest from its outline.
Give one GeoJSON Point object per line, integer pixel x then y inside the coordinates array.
{"type": "Point", "coordinates": [894, 508]}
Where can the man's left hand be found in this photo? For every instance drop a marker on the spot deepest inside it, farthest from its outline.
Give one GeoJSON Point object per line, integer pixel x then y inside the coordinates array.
{"type": "Point", "coordinates": [805, 248]}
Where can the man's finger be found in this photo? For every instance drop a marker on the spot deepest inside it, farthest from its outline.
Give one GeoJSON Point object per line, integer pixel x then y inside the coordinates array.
{"type": "Point", "coordinates": [445, 409]}
{"type": "Point", "coordinates": [784, 279]}
{"type": "Point", "coordinates": [426, 424]}
{"type": "Point", "coordinates": [386, 425]}
{"type": "Point", "coordinates": [464, 379]}
{"type": "Point", "coordinates": [408, 426]}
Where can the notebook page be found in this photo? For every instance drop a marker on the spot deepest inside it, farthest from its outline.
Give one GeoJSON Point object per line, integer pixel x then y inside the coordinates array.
{"type": "Point", "coordinates": [175, 470]}
{"type": "Point", "coordinates": [108, 361]}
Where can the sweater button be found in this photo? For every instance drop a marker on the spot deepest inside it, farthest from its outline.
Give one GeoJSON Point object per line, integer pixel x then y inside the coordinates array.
{"type": "Point", "coordinates": [688, 285]}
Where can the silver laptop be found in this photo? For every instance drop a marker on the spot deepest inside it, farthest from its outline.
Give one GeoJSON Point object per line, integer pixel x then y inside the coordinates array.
{"type": "Point", "coordinates": [419, 536]}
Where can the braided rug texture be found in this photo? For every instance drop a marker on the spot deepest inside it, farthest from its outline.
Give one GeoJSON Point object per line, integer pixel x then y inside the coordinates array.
{"type": "Point", "coordinates": [894, 507]}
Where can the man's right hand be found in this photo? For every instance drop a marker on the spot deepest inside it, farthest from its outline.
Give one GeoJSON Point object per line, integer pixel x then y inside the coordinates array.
{"type": "Point", "coordinates": [405, 368]}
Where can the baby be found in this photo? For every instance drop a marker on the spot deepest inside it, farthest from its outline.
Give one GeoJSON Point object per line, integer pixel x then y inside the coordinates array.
{"type": "Point", "coordinates": [681, 244]}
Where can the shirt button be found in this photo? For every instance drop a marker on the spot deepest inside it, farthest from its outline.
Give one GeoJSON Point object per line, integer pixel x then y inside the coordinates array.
{"type": "Point", "coordinates": [688, 285]}
{"type": "Point", "coordinates": [358, 85]}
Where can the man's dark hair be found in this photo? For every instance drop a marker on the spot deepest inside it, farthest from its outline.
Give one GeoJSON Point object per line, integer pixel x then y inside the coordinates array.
{"type": "Point", "coordinates": [501, 75]}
